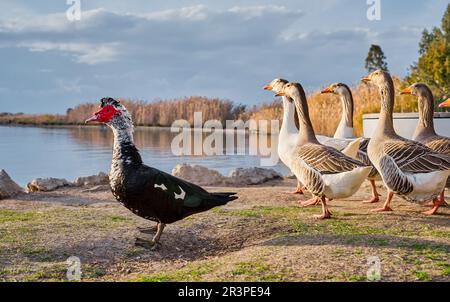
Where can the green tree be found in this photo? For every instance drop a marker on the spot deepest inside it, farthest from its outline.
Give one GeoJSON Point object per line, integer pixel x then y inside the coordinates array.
{"type": "Point", "coordinates": [433, 66]}
{"type": "Point", "coordinates": [376, 59]}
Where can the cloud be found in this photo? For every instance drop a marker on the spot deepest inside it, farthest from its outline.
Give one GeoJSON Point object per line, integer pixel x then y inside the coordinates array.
{"type": "Point", "coordinates": [227, 51]}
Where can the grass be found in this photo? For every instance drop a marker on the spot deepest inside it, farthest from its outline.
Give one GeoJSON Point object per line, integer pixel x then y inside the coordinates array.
{"type": "Point", "coordinates": [422, 276]}
{"type": "Point", "coordinates": [190, 273]}
{"type": "Point", "coordinates": [256, 271]}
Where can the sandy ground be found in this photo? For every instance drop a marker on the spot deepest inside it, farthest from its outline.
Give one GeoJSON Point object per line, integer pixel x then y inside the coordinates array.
{"type": "Point", "coordinates": [262, 236]}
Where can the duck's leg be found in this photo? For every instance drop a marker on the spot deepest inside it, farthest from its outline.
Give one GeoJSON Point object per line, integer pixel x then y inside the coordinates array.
{"type": "Point", "coordinates": [152, 244]}
{"type": "Point", "coordinates": [387, 205]}
{"type": "Point", "coordinates": [375, 196]}
{"type": "Point", "coordinates": [310, 202]}
{"type": "Point", "coordinates": [326, 214]}
{"type": "Point", "coordinates": [436, 205]}
{"type": "Point", "coordinates": [299, 189]}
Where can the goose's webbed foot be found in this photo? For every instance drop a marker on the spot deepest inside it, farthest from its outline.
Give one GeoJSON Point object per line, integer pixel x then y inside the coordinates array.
{"type": "Point", "coordinates": [326, 214]}
{"type": "Point", "coordinates": [310, 202]}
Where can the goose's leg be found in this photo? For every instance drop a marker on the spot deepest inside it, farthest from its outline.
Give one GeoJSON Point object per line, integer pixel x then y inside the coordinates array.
{"type": "Point", "coordinates": [326, 214]}
{"type": "Point", "coordinates": [436, 205]}
{"type": "Point", "coordinates": [299, 189]}
{"type": "Point", "coordinates": [387, 205]}
{"type": "Point", "coordinates": [442, 201]}
{"type": "Point", "coordinates": [375, 196]}
{"type": "Point", "coordinates": [310, 202]}
{"type": "Point", "coordinates": [152, 244]}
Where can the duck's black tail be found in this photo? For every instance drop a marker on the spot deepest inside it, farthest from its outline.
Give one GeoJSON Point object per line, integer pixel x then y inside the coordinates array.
{"type": "Point", "coordinates": [223, 198]}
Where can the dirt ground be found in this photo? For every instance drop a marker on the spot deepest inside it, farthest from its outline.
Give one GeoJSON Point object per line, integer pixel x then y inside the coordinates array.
{"type": "Point", "coordinates": [262, 236]}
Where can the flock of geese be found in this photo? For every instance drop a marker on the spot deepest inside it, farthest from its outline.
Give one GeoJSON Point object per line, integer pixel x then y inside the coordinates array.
{"type": "Point", "coordinates": [327, 167]}
{"type": "Point", "coordinates": [417, 170]}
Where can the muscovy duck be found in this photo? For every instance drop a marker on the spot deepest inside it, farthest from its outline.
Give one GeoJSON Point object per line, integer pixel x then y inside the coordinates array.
{"type": "Point", "coordinates": [146, 191]}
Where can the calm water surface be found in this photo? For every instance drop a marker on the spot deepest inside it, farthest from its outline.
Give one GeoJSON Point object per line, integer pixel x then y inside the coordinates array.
{"type": "Point", "coordinates": [68, 152]}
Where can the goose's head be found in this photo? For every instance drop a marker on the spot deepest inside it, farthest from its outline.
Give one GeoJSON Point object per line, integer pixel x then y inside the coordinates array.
{"type": "Point", "coordinates": [290, 90]}
{"type": "Point", "coordinates": [445, 104]}
{"type": "Point", "coordinates": [113, 114]}
{"type": "Point", "coordinates": [416, 89]}
{"type": "Point", "coordinates": [276, 85]}
{"type": "Point", "coordinates": [378, 77]}
{"type": "Point", "coordinates": [336, 88]}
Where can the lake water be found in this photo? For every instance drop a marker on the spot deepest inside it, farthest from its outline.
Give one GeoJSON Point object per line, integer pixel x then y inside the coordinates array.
{"type": "Point", "coordinates": [68, 152]}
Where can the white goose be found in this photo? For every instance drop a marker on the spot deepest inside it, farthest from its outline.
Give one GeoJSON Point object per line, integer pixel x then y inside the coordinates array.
{"type": "Point", "coordinates": [345, 130]}
{"type": "Point", "coordinates": [425, 132]}
{"type": "Point", "coordinates": [408, 168]}
{"type": "Point", "coordinates": [325, 171]}
{"type": "Point", "coordinates": [288, 136]}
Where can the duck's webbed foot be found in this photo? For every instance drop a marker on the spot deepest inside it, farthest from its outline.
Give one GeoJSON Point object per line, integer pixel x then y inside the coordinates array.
{"type": "Point", "coordinates": [326, 214]}
{"type": "Point", "coordinates": [154, 243]}
{"type": "Point", "coordinates": [151, 230]}
{"type": "Point", "coordinates": [147, 244]}
{"type": "Point", "coordinates": [310, 202]}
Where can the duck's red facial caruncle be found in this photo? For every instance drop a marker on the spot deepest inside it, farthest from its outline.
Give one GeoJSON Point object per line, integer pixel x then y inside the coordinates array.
{"type": "Point", "coordinates": [104, 115]}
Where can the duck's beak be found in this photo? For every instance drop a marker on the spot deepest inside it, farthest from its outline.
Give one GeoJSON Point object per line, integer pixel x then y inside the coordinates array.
{"type": "Point", "coordinates": [407, 90]}
{"type": "Point", "coordinates": [93, 118]}
{"type": "Point", "coordinates": [268, 87]}
{"type": "Point", "coordinates": [445, 104]}
{"type": "Point", "coordinates": [280, 94]}
{"type": "Point", "coordinates": [329, 89]}
{"type": "Point", "coordinates": [366, 79]}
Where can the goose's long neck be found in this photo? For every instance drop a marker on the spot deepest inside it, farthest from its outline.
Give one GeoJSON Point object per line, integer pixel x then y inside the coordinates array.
{"type": "Point", "coordinates": [125, 153]}
{"type": "Point", "coordinates": [425, 127]}
{"type": "Point", "coordinates": [288, 125]}
{"type": "Point", "coordinates": [306, 131]}
{"type": "Point", "coordinates": [385, 125]}
{"type": "Point", "coordinates": [345, 128]}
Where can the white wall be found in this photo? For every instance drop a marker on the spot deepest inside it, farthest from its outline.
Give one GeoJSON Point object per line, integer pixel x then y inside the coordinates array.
{"type": "Point", "coordinates": [405, 124]}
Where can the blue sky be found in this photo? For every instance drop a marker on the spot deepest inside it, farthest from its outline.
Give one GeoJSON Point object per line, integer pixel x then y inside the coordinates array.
{"type": "Point", "coordinates": [166, 49]}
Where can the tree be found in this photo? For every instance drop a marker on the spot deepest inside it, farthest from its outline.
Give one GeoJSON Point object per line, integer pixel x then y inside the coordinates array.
{"type": "Point", "coordinates": [433, 66]}
{"type": "Point", "coordinates": [376, 59]}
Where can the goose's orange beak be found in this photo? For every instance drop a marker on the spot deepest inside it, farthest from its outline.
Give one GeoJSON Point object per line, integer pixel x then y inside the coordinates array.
{"type": "Point", "coordinates": [445, 104]}
{"type": "Point", "coordinates": [407, 90]}
{"type": "Point", "coordinates": [268, 87]}
{"type": "Point", "coordinates": [366, 79]}
{"type": "Point", "coordinates": [329, 89]}
{"type": "Point", "coordinates": [280, 94]}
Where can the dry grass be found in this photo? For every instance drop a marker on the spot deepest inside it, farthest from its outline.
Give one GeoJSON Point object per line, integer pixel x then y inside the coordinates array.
{"type": "Point", "coordinates": [262, 236]}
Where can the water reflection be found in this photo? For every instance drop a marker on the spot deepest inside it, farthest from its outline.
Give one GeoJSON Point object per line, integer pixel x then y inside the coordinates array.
{"type": "Point", "coordinates": [68, 152]}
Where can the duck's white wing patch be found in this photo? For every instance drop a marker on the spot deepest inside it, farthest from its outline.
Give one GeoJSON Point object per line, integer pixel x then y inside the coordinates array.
{"type": "Point", "coordinates": [182, 195]}
{"type": "Point", "coordinates": [161, 186]}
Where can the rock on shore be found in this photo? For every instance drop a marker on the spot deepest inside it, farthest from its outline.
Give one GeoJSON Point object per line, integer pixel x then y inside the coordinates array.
{"type": "Point", "coordinates": [8, 188]}
{"type": "Point", "coordinates": [47, 184]}
{"type": "Point", "coordinates": [94, 180]}
{"type": "Point", "coordinates": [203, 176]}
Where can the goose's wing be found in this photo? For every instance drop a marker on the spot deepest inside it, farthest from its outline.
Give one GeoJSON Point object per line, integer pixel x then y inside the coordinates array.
{"type": "Point", "coordinates": [413, 157]}
{"type": "Point", "coordinates": [326, 160]}
{"type": "Point", "coordinates": [439, 144]}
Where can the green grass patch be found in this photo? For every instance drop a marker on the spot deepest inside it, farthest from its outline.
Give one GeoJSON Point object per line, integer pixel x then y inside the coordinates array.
{"type": "Point", "coordinates": [190, 273]}
{"type": "Point", "coordinates": [256, 271]}
{"type": "Point", "coordinates": [422, 276]}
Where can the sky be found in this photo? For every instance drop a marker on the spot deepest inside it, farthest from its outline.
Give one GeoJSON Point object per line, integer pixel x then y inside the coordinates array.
{"type": "Point", "coordinates": [229, 49]}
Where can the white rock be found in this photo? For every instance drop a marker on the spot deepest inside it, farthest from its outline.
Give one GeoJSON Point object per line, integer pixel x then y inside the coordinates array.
{"type": "Point", "coordinates": [199, 175]}
{"type": "Point", "coordinates": [46, 184]}
{"type": "Point", "coordinates": [8, 188]}
{"type": "Point", "coordinates": [94, 180]}
{"type": "Point", "coordinates": [253, 176]}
